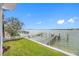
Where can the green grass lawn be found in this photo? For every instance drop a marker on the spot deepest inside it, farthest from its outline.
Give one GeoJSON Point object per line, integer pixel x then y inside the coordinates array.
{"type": "Point", "coordinates": [24, 47]}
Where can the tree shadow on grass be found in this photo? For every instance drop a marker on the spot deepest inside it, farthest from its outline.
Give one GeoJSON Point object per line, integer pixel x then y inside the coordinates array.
{"type": "Point", "coordinates": [6, 48]}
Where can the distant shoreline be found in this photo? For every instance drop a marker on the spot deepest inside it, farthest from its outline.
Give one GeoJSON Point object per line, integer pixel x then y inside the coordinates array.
{"type": "Point", "coordinates": [51, 29]}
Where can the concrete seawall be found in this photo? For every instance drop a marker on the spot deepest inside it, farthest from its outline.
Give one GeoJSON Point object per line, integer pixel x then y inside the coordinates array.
{"type": "Point", "coordinates": [59, 50]}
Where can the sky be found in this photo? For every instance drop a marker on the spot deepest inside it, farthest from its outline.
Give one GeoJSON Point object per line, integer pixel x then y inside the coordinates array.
{"type": "Point", "coordinates": [46, 15]}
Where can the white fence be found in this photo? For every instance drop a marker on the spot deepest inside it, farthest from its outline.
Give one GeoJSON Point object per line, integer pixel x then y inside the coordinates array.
{"type": "Point", "coordinates": [12, 38]}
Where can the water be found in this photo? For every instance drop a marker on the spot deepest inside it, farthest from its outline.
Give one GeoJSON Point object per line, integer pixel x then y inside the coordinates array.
{"type": "Point", "coordinates": [69, 39]}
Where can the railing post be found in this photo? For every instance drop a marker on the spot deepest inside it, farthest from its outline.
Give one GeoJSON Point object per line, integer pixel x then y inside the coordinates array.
{"type": "Point", "coordinates": [6, 6]}
{"type": "Point", "coordinates": [1, 29]}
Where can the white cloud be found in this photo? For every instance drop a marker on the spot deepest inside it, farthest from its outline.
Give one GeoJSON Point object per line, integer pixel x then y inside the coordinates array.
{"type": "Point", "coordinates": [60, 21]}
{"type": "Point", "coordinates": [40, 22]}
{"type": "Point", "coordinates": [71, 20]}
